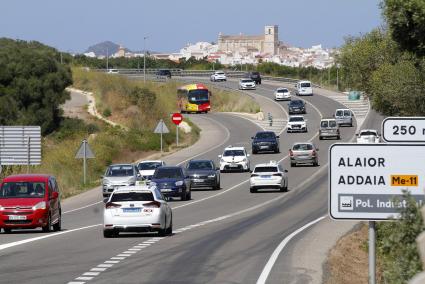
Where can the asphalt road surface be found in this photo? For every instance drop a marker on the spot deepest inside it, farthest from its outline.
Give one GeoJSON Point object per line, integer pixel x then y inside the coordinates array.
{"type": "Point", "coordinates": [224, 236]}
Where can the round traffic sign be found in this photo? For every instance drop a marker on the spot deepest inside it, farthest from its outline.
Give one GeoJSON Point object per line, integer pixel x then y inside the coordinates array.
{"type": "Point", "coordinates": [176, 118]}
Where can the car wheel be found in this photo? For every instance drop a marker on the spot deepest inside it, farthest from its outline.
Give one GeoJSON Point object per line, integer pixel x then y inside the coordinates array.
{"type": "Point", "coordinates": [316, 163]}
{"type": "Point", "coordinates": [183, 196]}
{"type": "Point", "coordinates": [284, 188]}
{"type": "Point", "coordinates": [108, 233]}
{"type": "Point", "coordinates": [217, 186]}
{"type": "Point", "coordinates": [58, 225]}
{"type": "Point", "coordinates": [189, 195]}
{"type": "Point", "coordinates": [293, 164]}
{"type": "Point", "coordinates": [252, 190]}
{"type": "Point", "coordinates": [48, 226]}
{"type": "Point", "coordinates": [163, 232]}
{"type": "Point", "coordinates": [320, 138]}
{"type": "Point", "coordinates": [338, 137]}
{"type": "Point", "coordinates": [277, 150]}
{"type": "Point", "coordinates": [254, 152]}
{"type": "Point", "coordinates": [7, 230]}
{"type": "Point", "coordinates": [169, 230]}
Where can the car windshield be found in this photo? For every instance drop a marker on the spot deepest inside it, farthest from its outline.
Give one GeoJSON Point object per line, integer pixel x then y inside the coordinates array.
{"type": "Point", "coordinates": [131, 196]}
{"type": "Point", "coordinates": [302, 147]}
{"type": "Point", "coordinates": [247, 81]}
{"type": "Point", "coordinates": [265, 169]}
{"type": "Point", "coordinates": [228, 153]}
{"type": "Point", "coordinates": [167, 173]}
{"type": "Point", "coordinates": [296, 103]}
{"type": "Point", "coordinates": [22, 189]}
{"type": "Point", "coordinates": [328, 123]}
{"type": "Point", "coordinates": [367, 133]}
{"type": "Point", "coordinates": [120, 171]}
{"type": "Point", "coordinates": [305, 85]}
{"type": "Point", "coordinates": [339, 113]}
{"type": "Point", "coordinates": [296, 119]}
{"type": "Point", "coordinates": [146, 166]}
{"type": "Point", "coordinates": [265, 135]}
{"type": "Point", "coordinates": [198, 96]}
{"type": "Point", "coordinates": [200, 165]}
{"type": "Point", "coordinates": [282, 90]}
{"type": "Point", "coordinates": [347, 112]}
{"type": "Point", "coordinates": [219, 73]}
{"type": "Point", "coordinates": [255, 73]}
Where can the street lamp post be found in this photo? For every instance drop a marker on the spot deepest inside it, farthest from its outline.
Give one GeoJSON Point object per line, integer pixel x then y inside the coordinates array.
{"type": "Point", "coordinates": [337, 77]}
{"type": "Point", "coordinates": [144, 59]}
{"type": "Point", "coordinates": [107, 59]}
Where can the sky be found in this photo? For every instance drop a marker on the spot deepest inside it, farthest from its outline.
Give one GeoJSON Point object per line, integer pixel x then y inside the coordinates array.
{"type": "Point", "coordinates": [74, 25]}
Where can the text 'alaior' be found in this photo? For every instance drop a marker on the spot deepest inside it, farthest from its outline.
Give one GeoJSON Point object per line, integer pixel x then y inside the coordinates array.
{"type": "Point", "coordinates": [364, 162]}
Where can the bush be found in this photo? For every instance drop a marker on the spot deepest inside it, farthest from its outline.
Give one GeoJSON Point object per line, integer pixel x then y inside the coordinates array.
{"type": "Point", "coordinates": [107, 112]}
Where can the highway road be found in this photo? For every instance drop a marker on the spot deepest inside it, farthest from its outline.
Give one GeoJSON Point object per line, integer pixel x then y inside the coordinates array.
{"type": "Point", "coordinates": [224, 236]}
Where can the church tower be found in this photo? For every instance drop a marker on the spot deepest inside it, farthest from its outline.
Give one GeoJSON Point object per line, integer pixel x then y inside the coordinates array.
{"type": "Point", "coordinates": [271, 39]}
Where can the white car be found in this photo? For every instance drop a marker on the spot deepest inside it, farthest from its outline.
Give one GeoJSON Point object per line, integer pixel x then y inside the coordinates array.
{"type": "Point", "coordinates": [218, 76]}
{"type": "Point", "coordinates": [234, 159]}
{"type": "Point", "coordinates": [113, 71]}
{"type": "Point", "coordinates": [270, 175]}
{"type": "Point", "coordinates": [368, 136]}
{"type": "Point", "coordinates": [137, 209]}
{"type": "Point", "coordinates": [296, 123]}
{"type": "Point", "coordinates": [246, 84]}
{"type": "Point", "coordinates": [147, 168]}
{"type": "Point", "coordinates": [304, 88]}
{"type": "Point", "coordinates": [282, 94]}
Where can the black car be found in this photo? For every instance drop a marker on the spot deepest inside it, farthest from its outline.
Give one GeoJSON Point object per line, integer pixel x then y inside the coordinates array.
{"type": "Point", "coordinates": [265, 141]}
{"type": "Point", "coordinates": [172, 181]}
{"type": "Point", "coordinates": [164, 73]}
{"type": "Point", "coordinates": [296, 107]}
{"type": "Point", "coordinates": [203, 173]}
{"type": "Point", "coordinates": [255, 76]}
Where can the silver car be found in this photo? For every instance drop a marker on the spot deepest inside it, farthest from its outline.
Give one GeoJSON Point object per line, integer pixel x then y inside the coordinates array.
{"type": "Point", "coordinates": [118, 175]}
{"type": "Point", "coordinates": [344, 116]}
{"type": "Point", "coordinates": [304, 153]}
{"type": "Point", "coordinates": [329, 128]}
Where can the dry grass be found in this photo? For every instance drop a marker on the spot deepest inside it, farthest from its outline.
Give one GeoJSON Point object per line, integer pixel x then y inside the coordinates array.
{"type": "Point", "coordinates": [347, 262]}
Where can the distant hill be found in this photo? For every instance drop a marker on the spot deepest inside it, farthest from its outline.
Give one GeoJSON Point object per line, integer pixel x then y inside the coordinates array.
{"type": "Point", "coordinates": [104, 48]}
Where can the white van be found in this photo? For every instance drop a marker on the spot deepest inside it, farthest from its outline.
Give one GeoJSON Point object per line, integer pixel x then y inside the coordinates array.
{"type": "Point", "coordinates": [304, 88]}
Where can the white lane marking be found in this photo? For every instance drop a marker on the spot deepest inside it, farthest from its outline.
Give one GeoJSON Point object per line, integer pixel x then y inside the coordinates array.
{"type": "Point", "coordinates": [105, 265]}
{"type": "Point", "coordinates": [129, 252]}
{"type": "Point", "coordinates": [101, 269]}
{"type": "Point", "coordinates": [267, 269]}
{"type": "Point", "coordinates": [91, 274]}
{"type": "Point", "coordinates": [79, 208]}
{"type": "Point", "coordinates": [17, 243]}
{"type": "Point", "coordinates": [113, 261]}
{"type": "Point", "coordinates": [76, 282]}
{"type": "Point", "coordinates": [118, 257]}
{"type": "Point", "coordinates": [123, 255]}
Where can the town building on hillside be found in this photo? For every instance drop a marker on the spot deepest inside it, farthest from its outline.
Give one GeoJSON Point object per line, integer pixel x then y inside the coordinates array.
{"type": "Point", "coordinates": [268, 43]}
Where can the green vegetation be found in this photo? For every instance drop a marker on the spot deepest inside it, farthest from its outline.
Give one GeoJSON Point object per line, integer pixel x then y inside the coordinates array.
{"type": "Point", "coordinates": [396, 244]}
{"type": "Point", "coordinates": [389, 65]}
{"type": "Point", "coordinates": [32, 84]}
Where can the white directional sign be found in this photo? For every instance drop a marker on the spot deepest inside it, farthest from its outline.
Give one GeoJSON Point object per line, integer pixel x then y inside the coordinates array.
{"type": "Point", "coordinates": [366, 181]}
{"type": "Point", "coordinates": [20, 145]}
{"type": "Point", "coordinates": [404, 129]}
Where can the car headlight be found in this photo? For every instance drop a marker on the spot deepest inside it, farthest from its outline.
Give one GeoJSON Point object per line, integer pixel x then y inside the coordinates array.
{"type": "Point", "coordinates": [39, 205]}
{"type": "Point", "coordinates": [106, 182]}
{"type": "Point", "coordinates": [244, 160]}
{"type": "Point", "coordinates": [222, 161]}
{"type": "Point", "coordinates": [179, 183]}
{"type": "Point", "coordinates": [1, 208]}
{"type": "Point", "coordinates": [211, 176]}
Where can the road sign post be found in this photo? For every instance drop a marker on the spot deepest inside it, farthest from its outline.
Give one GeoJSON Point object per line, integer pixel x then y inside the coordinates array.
{"type": "Point", "coordinates": [368, 181]}
{"type": "Point", "coordinates": [177, 118]}
{"type": "Point", "coordinates": [84, 152]}
{"type": "Point", "coordinates": [161, 128]}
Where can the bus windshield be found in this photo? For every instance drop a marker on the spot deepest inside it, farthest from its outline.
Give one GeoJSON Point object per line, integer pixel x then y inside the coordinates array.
{"type": "Point", "coordinates": [198, 96]}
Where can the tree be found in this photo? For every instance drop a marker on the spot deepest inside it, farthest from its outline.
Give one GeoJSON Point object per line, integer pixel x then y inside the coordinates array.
{"type": "Point", "coordinates": [406, 21]}
{"type": "Point", "coordinates": [32, 84]}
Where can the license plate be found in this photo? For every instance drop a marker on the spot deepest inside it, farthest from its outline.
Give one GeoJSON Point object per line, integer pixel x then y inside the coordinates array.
{"type": "Point", "coordinates": [17, 217]}
{"type": "Point", "coordinates": [166, 190]}
{"type": "Point", "coordinates": [131, 210]}
{"type": "Point", "coordinates": [266, 177]}
{"type": "Point", "coordinates": [264, 147]}
{"type": "Point", "coordinates": [116, 187]}
{"type": "Point", "coordinates": [198, 180]}
{"type": "Point", "coordinates": [233, 165]}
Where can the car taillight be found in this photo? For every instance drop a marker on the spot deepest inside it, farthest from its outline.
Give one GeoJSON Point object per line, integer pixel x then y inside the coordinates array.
{"type": "Point", "coordinates": [153, 204]}
{"type": "Point", "coordinates": [110, 205]}
{"type": "Point", "coordinates": [278, 174]}
{"type": "Point", "coordinates": [291, 153]}
{"type": "Point", "coordinates": [314, 153]}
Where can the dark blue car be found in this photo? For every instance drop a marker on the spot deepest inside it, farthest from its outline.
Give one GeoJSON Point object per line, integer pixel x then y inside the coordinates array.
{"type": "Point", "coordinates": [265, 141]}
{"type": "Point", "coordinates": [173, 182]}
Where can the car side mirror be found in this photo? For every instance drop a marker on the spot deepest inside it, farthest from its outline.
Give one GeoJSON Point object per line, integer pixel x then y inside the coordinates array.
{"type": "Point", "coordinates": [317, 149]}
{"type": "Point", "coordinates": [278, 136]}
{"type": "Point", "coordinates": [55, 195]}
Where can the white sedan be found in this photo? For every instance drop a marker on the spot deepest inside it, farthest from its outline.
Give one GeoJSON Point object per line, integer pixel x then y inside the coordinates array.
{"type": "Point", "coordinates": [282, 94]}
{"type": "Point", "coordinates": [218, 76]}
{"type": "Point", "coordinates": [270, 175]}
{"type": "Point", "coordinates": [137, 209]}
{"type": "Point", "coordinates": [246, 84]}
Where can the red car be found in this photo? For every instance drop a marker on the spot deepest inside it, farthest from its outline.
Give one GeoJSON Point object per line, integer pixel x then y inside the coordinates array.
{"type": "Point", "coordinates": [30, 201]}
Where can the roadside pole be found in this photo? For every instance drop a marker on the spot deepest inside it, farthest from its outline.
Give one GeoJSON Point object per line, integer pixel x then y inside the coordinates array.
{"type": "Point", "coordinates": [28, 154]}
{"type": "Point", "coordinates": [84, 161]}
{"type": "Point", "coordinates": [372, 252]}
{"type": "Point", "coordinates": [161, 128]}
{"type": "Point", "coordinates": [84, 152]}
{"type": "Point", "coordinates": [177, 118]}
{"type": "Point", "coordinates": [177, 135]}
